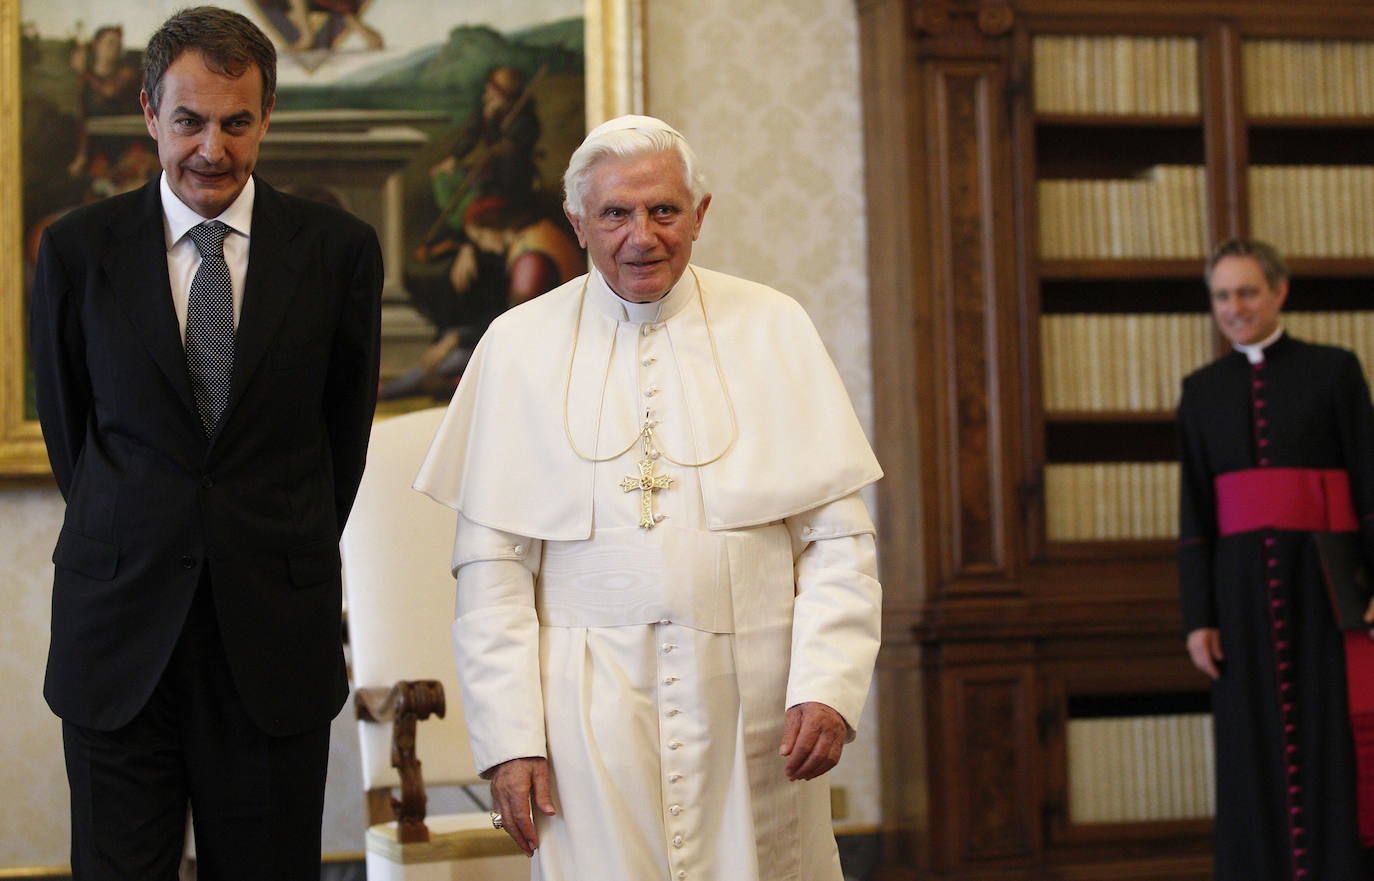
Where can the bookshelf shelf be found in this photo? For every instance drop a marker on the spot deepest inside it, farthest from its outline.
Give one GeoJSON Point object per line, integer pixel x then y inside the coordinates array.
{"type": "Point", "coordinates": [1360, 269]}
{"type": "Point", "coordinates": [1136, 549]}
{"type": "Point", "coordinates": [1110, 268]}
{"type": "Point", "coordinates": [1310, 123]}
{"type": "Point", "coordinates": [1110, 417]}
{"type": "Point", "coordinates": [1121, 120]}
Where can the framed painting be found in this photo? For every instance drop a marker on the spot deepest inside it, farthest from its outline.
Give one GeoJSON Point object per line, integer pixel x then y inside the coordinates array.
{"type": "Point", "coordinates": [445, 125]}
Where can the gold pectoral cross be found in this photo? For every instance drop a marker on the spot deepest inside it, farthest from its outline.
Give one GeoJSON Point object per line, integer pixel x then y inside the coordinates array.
{"type": "Point", "coordinates": [646, 483]}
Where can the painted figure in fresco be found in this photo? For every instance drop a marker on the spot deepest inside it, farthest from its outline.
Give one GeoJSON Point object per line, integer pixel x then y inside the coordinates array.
{"type": "Point", "coordinates": [523, 251]}
{"type": "Point", "coordinates": [110, 80]}
{"type": "Point", "coordinates": [320, 24]}
{"type": "Point", "coordinates": [494, 158]}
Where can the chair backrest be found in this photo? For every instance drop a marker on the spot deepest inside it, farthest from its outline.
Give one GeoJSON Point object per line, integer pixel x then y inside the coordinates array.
{"type": "Point", "coordinates": [396, 553]}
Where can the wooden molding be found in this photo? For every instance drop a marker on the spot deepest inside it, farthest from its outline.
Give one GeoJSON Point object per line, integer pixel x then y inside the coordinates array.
{"type": "Point", "coordinates": [404, 705]}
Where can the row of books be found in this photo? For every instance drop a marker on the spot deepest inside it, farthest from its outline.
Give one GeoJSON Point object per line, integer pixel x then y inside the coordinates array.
{"type": "Point", "coordinates": [1162, 214]}
{"type": "Point", "coordinates": [1314, 210]}
{"type": "Point", "coordinates": [1141, 768]}
{"type": "Point", "coordinates": [1124, 75]}
{"type": "Point", "coordinates": [1308, 77]}
{"type": "Point", "coordinates": [1108, 361]}
{"type": "Point", "coordinates": [1111, 501]}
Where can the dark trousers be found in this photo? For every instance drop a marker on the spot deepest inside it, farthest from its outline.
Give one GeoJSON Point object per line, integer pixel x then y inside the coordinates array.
{"type": "Point", "coordinates": [257, 800]}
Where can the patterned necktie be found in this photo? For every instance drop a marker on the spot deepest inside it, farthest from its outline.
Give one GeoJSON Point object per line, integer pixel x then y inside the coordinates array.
{"type": "Point", "coordinates": [210, 324]}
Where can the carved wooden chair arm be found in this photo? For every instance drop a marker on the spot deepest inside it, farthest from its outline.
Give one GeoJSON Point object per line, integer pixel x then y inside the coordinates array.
{"type": "Point", "coordinates": [403, 704]}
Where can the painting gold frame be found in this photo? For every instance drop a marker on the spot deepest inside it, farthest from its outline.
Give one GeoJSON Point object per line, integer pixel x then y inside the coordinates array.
{"type": "Point", "coordinates": [615, 52]}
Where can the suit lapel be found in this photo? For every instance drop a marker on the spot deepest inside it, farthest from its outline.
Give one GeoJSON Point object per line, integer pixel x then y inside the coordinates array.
{"type": "Point", "coordinates": [136, 268]}
{"type": "Point", "coordinates": [274, 269]}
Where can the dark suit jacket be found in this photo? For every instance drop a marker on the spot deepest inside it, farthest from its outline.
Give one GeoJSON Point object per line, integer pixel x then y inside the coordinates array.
{"type": "Point", "coordinates": [151, 501]}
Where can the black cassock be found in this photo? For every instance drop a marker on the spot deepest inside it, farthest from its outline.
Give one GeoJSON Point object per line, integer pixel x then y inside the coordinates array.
{"type": "Point", "coordinates": [1286, 780]}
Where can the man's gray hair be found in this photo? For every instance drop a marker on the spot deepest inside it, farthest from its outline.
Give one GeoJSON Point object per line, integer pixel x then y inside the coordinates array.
{"type": "Point", "coordinates": [627, 136]}
{"type": "Point", "coordinates": [1265, 254]}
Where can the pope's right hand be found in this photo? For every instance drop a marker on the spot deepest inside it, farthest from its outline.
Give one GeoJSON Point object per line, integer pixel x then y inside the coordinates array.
{"type": "Point", "coordinates": [1204, 647]}
{"type": "Point", "coordinates": [514, 785]}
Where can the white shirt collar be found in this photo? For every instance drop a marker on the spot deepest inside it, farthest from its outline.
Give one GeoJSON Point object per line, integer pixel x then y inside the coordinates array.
{"type": "Point", "coordinates": [1255, 352]}
{"type": "Point", "coordinates": [177, 217]}
{"type": "Point", "coordinates": [665, 307]}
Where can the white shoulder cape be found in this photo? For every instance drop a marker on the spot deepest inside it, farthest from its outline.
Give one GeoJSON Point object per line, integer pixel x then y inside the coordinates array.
{"type": "Point", "coordinates": [502, 454]}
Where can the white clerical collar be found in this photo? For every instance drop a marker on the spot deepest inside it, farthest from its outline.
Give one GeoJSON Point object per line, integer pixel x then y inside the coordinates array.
{"type": "Point", "coordinates": [600, 295]}
{"type": "Point", "coordinates": [1255, 352]}
{"type": "Point", "coordinates": [178, 217]}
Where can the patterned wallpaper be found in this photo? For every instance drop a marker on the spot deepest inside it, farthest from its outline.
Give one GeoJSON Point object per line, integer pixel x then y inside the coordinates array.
{"type": "Point", "coordinates": [768, 93]}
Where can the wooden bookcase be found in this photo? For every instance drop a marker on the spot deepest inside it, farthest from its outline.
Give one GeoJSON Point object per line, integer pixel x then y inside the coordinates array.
{"type": "Point", "coordinates": [997, 339]}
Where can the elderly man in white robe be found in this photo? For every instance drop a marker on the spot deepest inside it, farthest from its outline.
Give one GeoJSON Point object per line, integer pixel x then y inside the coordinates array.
{"type": "Point", "coordinates": [668, 611]}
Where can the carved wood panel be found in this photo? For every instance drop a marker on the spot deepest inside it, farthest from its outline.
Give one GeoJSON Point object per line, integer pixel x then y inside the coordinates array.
{"type": "Point", "coordinates": [994, 761]}
{"type": "Point", "coordinates": [970, 207]}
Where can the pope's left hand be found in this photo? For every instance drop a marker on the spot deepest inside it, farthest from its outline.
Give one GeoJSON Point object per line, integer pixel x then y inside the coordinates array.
{"type": "Point", "coordinates": [812, 738]}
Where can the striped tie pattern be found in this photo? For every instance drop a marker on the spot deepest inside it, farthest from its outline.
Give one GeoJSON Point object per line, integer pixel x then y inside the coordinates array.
{"type": "Point", "coordinates": [210, 324]}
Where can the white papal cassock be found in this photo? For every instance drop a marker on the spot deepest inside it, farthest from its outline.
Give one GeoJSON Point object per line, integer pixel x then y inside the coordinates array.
{"type": "Point", "coordinates": [653, 666]}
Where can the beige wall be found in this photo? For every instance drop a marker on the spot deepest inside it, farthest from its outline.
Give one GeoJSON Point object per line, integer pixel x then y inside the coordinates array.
{"type": "Point", "coordinates": [33, 811]}
{"type": "Point", "coordinates": [767, 91]}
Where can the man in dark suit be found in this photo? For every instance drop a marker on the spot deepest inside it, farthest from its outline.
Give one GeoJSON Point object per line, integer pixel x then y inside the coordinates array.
{"type": "Point", "coordinates": [205, 352]}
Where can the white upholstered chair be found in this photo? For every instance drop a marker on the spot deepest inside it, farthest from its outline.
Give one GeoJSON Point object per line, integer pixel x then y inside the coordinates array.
{"type": "Point", "coordinates": [399, 594]}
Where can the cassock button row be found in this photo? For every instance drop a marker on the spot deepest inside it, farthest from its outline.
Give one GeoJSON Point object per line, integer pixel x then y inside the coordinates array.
{"type": "Point", "coordinates": [677, 841]}
{"type": "Point", "coordinates": [665, 621]}
{"type": "Point", "coordinates": [674, 809]}
{"type": "Point", "coordinates": [668, 647]}
{"type": "Point", "coordinates": [187, 562]}
{"type": "Point", "coordinates": [674, 777]}
{"type": "Point", "coordinates": [674, 712]}
{"type": "Point", "coordinates": [674, 744]}
{"type": "Point", "coordinates": [681, 873]}
{"type": "Point", "coordinates": [649, 361]}
{"type": "Point", "coordinates": [669, 680]}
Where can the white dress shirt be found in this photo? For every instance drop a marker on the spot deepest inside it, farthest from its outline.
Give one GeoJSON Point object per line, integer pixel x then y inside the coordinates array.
{"type": "Point", "coordinates": [183, 259]}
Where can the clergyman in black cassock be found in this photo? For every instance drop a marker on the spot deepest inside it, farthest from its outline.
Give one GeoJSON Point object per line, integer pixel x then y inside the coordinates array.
{"type": "Point", "coordinates": [1276, 445]}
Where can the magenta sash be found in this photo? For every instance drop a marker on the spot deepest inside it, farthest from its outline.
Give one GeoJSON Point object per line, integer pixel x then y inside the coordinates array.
{"type": "Point", "coordinates": [1304, 499]}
